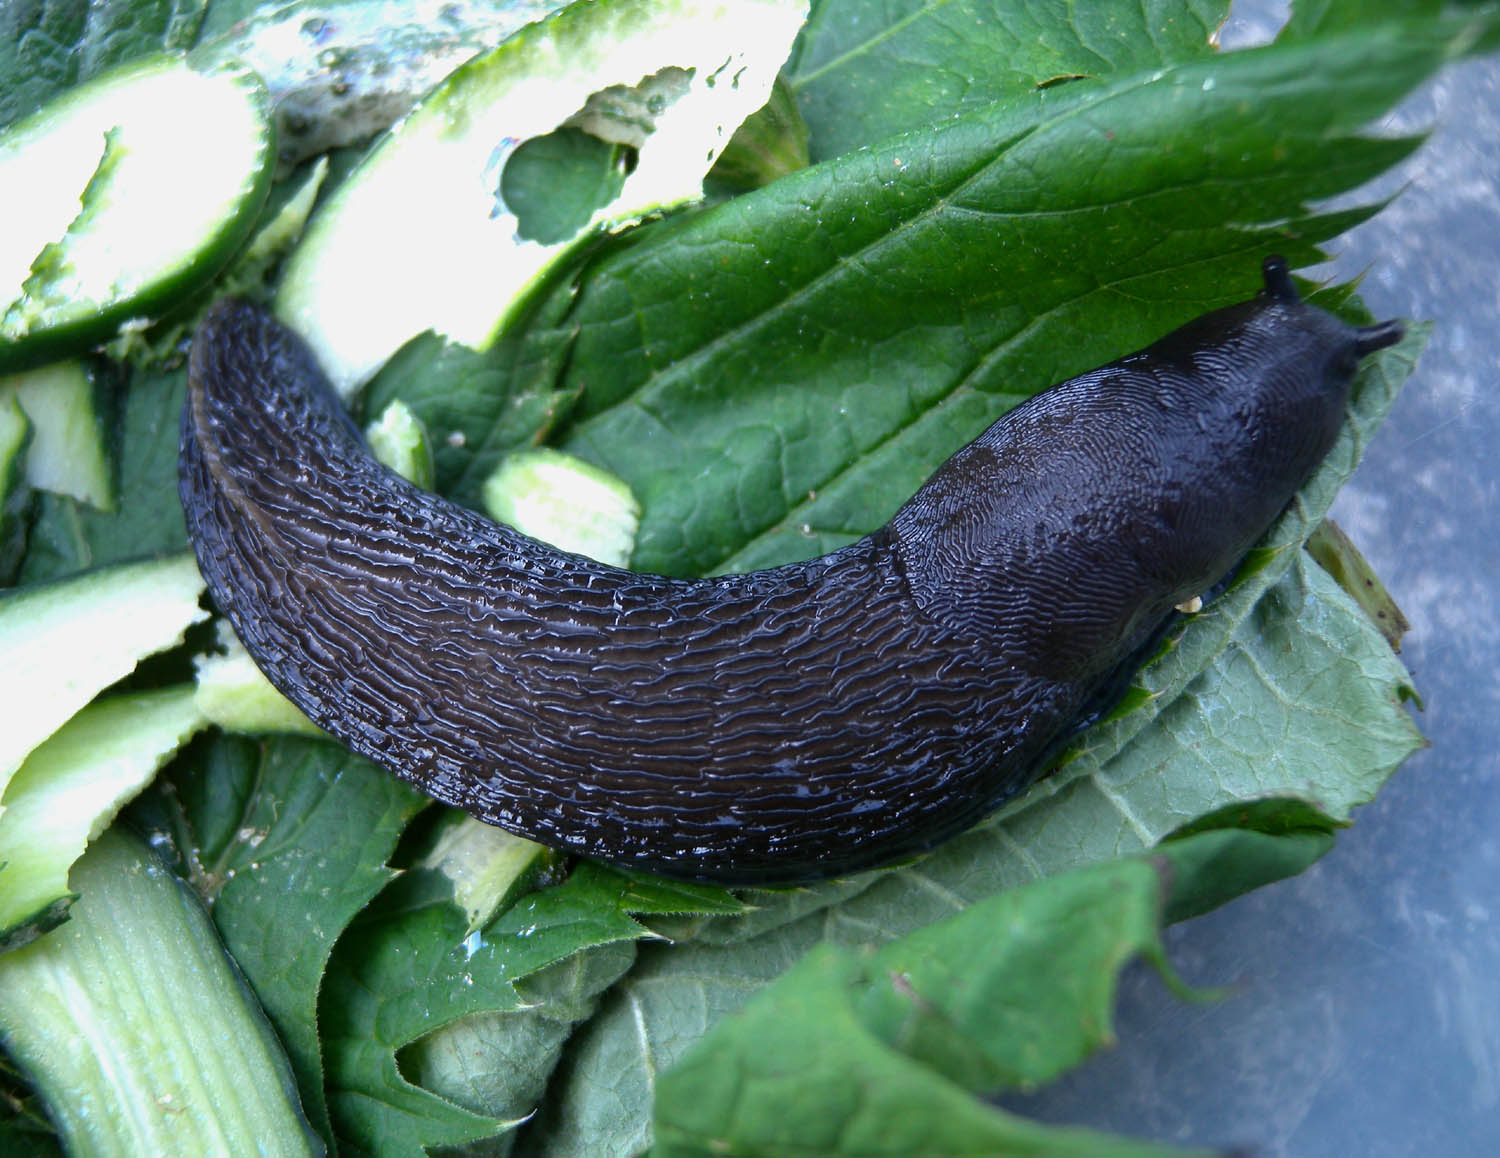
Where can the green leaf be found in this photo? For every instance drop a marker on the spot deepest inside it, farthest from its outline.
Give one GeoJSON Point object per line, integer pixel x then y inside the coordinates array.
{"type": "Point", "coordinates": [802, 1072]}
{"type": "Point", "coordinates": [289, 840]}
{"type": "Point", "coordinates": [25, 1131]}
{"type": "Point", "coordinates": [879, 1052]}
{"type": "Point", "coordinates": [1313, 18]}
{"type": "Point", "coordinates": [477, 407]}
{"type": "Point", "coordinates": [1020, 987]}
{"type": "Point", "coordinates": [412, 967]}
{"type": "Point", "coordinates": [50, 45]}
{"type": "Point", "coordinates": [554, 184]}
{"type": "Point", "coordinates": [499, 1063]}
{"type": "Point", "coordinates": [1232, 854]}
{"type": "Point", "coordinates": [863, 72]}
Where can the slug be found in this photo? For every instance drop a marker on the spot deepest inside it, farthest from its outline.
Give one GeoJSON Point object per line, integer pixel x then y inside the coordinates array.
{"type": "Point", "coordinates": [778, 726]}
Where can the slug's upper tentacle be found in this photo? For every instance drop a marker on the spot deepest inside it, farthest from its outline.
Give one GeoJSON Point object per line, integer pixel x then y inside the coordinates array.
{"type": "Point", "coordinates": [782, 725]}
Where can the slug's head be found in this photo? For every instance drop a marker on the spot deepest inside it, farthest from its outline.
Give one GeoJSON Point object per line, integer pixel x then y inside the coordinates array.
{"type": "Point", "coordinates": [1067, 530]}
{"type": "Point", "coordinates": [1340, 344]}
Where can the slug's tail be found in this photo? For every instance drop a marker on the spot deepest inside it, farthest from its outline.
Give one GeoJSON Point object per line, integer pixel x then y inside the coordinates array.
{"type": "Point", "coordinates": [1279, 286]}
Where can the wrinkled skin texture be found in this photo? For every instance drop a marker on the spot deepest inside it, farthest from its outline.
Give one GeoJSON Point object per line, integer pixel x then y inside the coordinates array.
{"type": "Point", "coordinates": [773, 727]}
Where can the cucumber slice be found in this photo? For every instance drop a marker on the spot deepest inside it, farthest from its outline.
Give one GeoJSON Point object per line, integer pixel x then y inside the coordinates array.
{"type": "Point", "coordinates": [69, 453]}
{"type": "Point", "coordinates": [418, 238]}
{"type": "Point", "coordinates": [15, 492]}
{"type": "Point", "coordinates": [136, 1029]}
{"type": "Point", "coordinates": [399, 440]}
{"type": "Point", "coordinates": [489, 867]}
{"type": "Point", "coordinates": [231, 692]}
{"type": "Point", "coordinates": [65, 642]}
{"type": "Point", "coordinates": [122, 197]}
{"type": "Point", "coordinates": [69, 790]}
{"type": "Point", "coordinates": [566, 501]}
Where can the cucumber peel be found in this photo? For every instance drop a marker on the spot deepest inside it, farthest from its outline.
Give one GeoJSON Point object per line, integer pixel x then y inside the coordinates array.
{"type": "Point", "coordinates": [670, 78]}
{"type": "Point", "coordinates": [68, 791]}
{"type": "Point", "coordinates": [135, 1027]}
{"type": "Point", "coordinates": [65, 642]}
{"type": "Point", "coordinates": [339, 71]}
{"type": "Point", "coordinates": [15, 491]}
{"type": "Point", "coordinates": [83, 251]}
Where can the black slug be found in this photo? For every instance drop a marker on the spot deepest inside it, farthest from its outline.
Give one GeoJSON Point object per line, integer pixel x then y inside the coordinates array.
{"type": "Point", "coordinates": [777, 726]}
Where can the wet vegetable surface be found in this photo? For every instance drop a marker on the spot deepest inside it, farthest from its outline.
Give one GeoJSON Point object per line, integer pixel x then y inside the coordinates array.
{"type": "Point", "coordinates": [781, 725]}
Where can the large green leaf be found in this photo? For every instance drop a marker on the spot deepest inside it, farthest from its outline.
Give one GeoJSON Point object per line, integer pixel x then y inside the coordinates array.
{"type": "Point", "coordinates": [499, 1062]}
{"type": "Point", "coordinates": [1312, 18]}
{"type": "Point", "coordinates": [866, 71]}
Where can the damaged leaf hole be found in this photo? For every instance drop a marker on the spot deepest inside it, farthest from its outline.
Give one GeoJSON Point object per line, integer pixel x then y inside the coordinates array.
{"type": "Point", "coordinates": [555, 183]}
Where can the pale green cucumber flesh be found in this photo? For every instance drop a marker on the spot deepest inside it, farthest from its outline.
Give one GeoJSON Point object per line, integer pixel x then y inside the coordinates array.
{"type": "Point", "coordinates": [489, 867]}
{"type": "Point", "coordinates": [135, 1028]}
{"type": "Point", "coordinates": [566, 501]}
{"type": "Point", "coordinates": [122, 197]}
{"type": "Point", "coordinates": [398, 440]}
{"type": "Point", "coordinates": [65, 642]}
{"type": "Point", "coordinates": [231, 692]}
{"type": "Point", "coordinates": [69, 453]}
{"type": "Point", "coordinates": [68, 791]}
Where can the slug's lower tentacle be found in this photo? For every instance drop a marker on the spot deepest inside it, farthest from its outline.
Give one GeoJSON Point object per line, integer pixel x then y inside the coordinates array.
{"type": "Point", "coordinates": [776, 726]}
